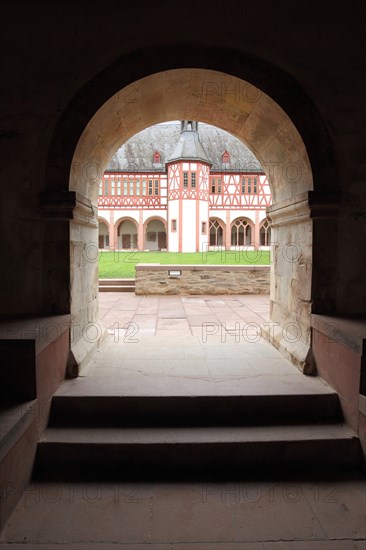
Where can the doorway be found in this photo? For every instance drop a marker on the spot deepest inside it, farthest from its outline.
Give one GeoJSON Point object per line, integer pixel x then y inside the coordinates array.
{"type": "Point", "coordinates": [254, 118]}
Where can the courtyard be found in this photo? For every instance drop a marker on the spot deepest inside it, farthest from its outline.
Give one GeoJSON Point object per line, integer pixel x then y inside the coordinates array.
{"type": "Point", "coordinates": [117, 263]}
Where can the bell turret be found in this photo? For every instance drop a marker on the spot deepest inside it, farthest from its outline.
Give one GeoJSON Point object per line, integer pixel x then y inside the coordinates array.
{"type": "Point", "coordinates": [188, 174]}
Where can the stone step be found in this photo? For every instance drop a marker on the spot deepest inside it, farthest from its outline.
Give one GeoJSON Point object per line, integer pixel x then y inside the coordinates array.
{"type": "Point", "coordinates": [116, 288]}
{"type": "Point", "coordinates": [199, 410]}
{"type": "Point", "coordinates": [116, 285]}
{"type": "Point", "coordinates": [108, 282]}
{"type": "Point", "coordinates": [181, 452]}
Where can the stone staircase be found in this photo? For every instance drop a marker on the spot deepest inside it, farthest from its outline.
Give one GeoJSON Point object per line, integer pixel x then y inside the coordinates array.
{"type": "Point", "coordinates": [194, 437]}
{"type": "Point", "coordinates": [116, 285]}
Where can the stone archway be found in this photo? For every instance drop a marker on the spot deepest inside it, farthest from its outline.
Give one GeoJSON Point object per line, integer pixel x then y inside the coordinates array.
{"type": "Point", "coordinates": [155, 233]}
{"type": "Point", "coordinates": [255, 119]}
{"type": "Point", "coordinates": [239, 107]}
{"type": "Point", "coordinates": [126, 233]}
{"type": "Point", "coordinates": [103, 233]}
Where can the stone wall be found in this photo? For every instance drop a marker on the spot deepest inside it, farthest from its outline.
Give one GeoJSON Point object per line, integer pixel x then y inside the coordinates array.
{"type": "Point", "coordinates": [202, 279]}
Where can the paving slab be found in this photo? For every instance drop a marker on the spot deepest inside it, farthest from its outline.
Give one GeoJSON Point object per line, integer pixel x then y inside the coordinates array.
{"type": "Point", "coordinates": [204, 516]}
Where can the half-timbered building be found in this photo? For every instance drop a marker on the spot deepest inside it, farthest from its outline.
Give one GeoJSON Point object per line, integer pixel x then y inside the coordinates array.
{"type": "Point", "coordinates": [183, 188]}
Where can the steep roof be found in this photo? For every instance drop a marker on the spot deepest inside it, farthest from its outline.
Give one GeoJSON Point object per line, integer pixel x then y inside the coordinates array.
{"type": "Point", "coordinates": [189, 146]}
{"type": "Point", "coordinates": [137, 153]}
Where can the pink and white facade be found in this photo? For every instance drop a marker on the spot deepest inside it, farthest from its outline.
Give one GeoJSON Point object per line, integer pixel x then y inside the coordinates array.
{"type": "Point", "coordinates": [185, 203]}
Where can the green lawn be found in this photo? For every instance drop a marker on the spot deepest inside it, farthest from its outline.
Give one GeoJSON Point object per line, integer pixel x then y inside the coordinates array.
{"type": "Point", "coordinates": [114, 265]}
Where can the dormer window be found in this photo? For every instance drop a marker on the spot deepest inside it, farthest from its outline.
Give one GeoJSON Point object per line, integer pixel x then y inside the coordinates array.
{"type": "Point", "coordinates": [157, 157]}
{"type": "Point", "coordinates": [225, 157]}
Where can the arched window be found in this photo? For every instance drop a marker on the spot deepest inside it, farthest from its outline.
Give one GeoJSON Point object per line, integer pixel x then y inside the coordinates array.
{"type": "Point", "coordinates": [216, 233]}
{"type": "Point", "coordinates": [265, 234]}
{"type": "Point", "coordinates": [241, 233]}
{"type": "Point", "coordinates": [157, 157]}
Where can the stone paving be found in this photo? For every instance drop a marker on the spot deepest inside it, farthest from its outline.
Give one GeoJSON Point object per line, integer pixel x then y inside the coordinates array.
{"type": "Point", "coordinates": [242, 515]}
{"type": "Point", "coordinates": [177, 345]}
{"type": "Point", "coordinates": [173, 355]}
{"type": "Point", "coordinates": [183, 315]}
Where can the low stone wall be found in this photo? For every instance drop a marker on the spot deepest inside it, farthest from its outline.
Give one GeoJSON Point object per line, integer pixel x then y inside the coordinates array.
{"type": "Point", "coordinates": [202, 279]}
{"type": "Point", "coordinates": [26, 416]}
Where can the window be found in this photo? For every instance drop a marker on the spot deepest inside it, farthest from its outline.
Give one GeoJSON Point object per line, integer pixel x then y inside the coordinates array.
{"type": "Point", "coordinates": [144, 187]}
{"type": "Point", "coordinates": [249, 185]}
{"type": "Point", "coordinates": [150, 188]}
{"type": "Point", "coordinates": [157, 158]}
{"type": "Point", "coordinates": [100, 188]}
{"type": "Point", "coordinates": [216, 186]}
{"type": "Point", "coordinates": [203, 228]}
{"type": "Point", "coordinates": [216, 233]}
{"type": "Point", "coordinates": [265, 234]}
{"type": "Point", "coordinates": [119, 188]}
{"type": "Point", "coordinates": [131, 187]}
{"type": "Point", "coordinates": [156, 188]}
{"type": "Point", "coordinates": [185, 179]}
{"type": "Point", "coordinates": [112, 187]}
{"type": "Point", "coordinates": [225, 157]}
{"type": "Point", "coordinates": [137, 187]}
{"type": "Point", "coordinates": [106, 187]}
{"type": "Point", "coordinates": [174, 225]}
{"type": "Point", "coordinates": [243, 186]}
{"type": "Point", "coordinates": [193, 180]}
{"type": "Point", "coordinates": [241, 233]}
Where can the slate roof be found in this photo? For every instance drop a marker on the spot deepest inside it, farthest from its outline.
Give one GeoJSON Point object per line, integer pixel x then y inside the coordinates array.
{"type": "Point", "coordinates": [136, 155]}
{"type": "Point", "coordinates": [189, 147]}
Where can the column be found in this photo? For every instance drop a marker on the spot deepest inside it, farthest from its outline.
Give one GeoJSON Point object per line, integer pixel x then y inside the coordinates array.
{"type": "Point", "coordinates": [256, 240]}
{"type": "Point", "coordinates": [227, 231]}
{"type": "Point", "coordinates": [112, 240]}
{"type": "Point", "coordinates": [140, 231]}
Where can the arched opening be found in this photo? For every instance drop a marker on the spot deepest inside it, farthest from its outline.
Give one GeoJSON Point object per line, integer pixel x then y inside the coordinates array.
{"type": "Point", "coordinates": [241, 232]}
{"type": "Point", "coordinates": [217, 228]}
{"type": "Point", "coordinates": [265, 233]}
{"type": "Point", "coordinates": [283, 159]}
{"type": "Point", "coordinates": [254, 118]}
{"type": "Point", "coordinates": [155, 234]}
{"type": "Point", "coordinates": [103, 234]}
{"type": "Point", "coordinates": [127, 234]}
